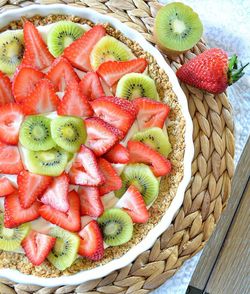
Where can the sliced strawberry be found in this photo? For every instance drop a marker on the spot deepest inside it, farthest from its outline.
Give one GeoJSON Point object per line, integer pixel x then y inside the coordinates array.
{"type": "Point", "coordinates": [117, 154]}
{"type": "Point", "coordinates": [91, 203]}
{"type": "Point", "coordinates": [141, 153]}
{"type": "Point", "coordinates": [36, 53]}
{"type": "Point", "coordinates": [5, 90]}
{"type": "Point", "coordinates": [30, 187]}
{"type": "Point", "coordinates": [85, 170]}
{"type": "Point", "coordinates": [151, 113]}
{"type": "Point", "coordinates": [112, 181]}
{"type": "Point", "coordinates": [10, 159]}
{"type": "Point", "coordinates": [15, 214]}
{"type": "Point", "coordinates": [78, 52]}
{"type": "Point", "coordinates": [91, 86]}
{"type": "Point", "coordinates": [6, 187]}
{"type": "Point", "coordinates": [112, 71]}
{"type": "Point", "coordinates": [74, 103]}
{"type": "Point", "coordinates": [91, 242]}
{"type": "Point", "coordinates": [37, 247]}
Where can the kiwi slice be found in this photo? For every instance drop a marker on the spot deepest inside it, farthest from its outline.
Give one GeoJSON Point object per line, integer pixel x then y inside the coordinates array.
{"type": "Point", "coordinates": [64, 253]}
{"type": "Point", "coordinates": [109, 48]}
{"type": "Point", "coordinates": [10, 239]}
{"type": "Point", "coordinates": [68, 132]}
{"type": "Point", "coordinates": [177, 28]}
{"type": "Point", "coordinates": [35, 133]}
{"type": "Point", "coordinates": [154, 138]}
{"type": "Point", "coordinates": [50, 162]}
{"type": "Point", "coordinates": [116, 226]}
{"type": "Point", "coordinates": [135, 85]}
{"type": "Point", "coordinates": [61, 35]}
{"type": "Point", "coordinates": [141, 176]}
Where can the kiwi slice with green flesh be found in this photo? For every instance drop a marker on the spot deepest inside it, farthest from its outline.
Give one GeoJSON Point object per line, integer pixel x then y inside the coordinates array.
{"type": "Point", "coordinates": [154, 138]}
{"type": "Point", "coordinates": [109, 48]}
{"type": "Point", "coordinates": [61, 35]}
{"type": "Point", "coordinates": [116, 226]}
{"type": "Point", "coordinates": [10, 239]}
{"type": "Point", "coordinates": [50, 162]}
{"type": "Point", "coordinates": [11, 51]}
{"type": "Point", "coordinates": [141, 176]}
{"type": "Point", "coordinates": [135, 85]}
{"type": "Point", "coordinates": [35, 133]}
{"type": "Point", "coordinates": [64, 253]}
{"type": "Point", "coordinates": [177, 28]}
{"type": "Point", "coordinates": [68, 132]}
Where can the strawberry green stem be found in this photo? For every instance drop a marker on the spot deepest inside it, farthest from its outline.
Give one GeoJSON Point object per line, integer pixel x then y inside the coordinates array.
{"type": "Point", "coordinates": [234, 73]}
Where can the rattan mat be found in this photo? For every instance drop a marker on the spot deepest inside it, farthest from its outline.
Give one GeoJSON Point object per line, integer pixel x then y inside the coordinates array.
{"type": "Point", "coordinates": [212, 171]}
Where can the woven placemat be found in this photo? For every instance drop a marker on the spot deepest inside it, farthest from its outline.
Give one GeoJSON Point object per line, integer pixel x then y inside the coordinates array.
{"type": "Point", "coordinates": [212, 170]}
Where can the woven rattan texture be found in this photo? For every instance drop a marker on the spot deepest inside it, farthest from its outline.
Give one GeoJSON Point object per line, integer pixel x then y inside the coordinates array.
{"type": "Point", "coordinates": [209, 188]}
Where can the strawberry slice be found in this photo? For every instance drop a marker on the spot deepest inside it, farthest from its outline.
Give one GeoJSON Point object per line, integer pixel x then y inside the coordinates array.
{"type": "Point", "coordinates": [15, 214]}
{"type": "Point", "coordinates": [56, 194]}
{"type": "Point", "coordinates": [69, 221]}
{"type": "Point", "coordinates": [5, 90]}
{"type": "Point", "coordinates": [117, 154]}
{"type": "Point", "coordinates": [36, 53]}
{"type": "Point", "coordinates": [74, 103]}
{"type": "Point", "coordinates": [30, 187]}
{"type": "Point", "coordinates": [43, 99]}
{"type": "Point", "coordinates": [151, 113]}
{"type": "Point", "coordinates": [11, 117]}
{"type": "Point", "coordinates": [100, 135]}
{"type": "Point", "coordinates": [78, 52]}
{"type": "Point", "coordinates": [141, 153]}
{"type": "Point", "coordinates": [37, 247]}
{"type": "Point", "coordinates": [91, 242]}
{"type": "Point", "coordinates": [6, 187]}
{"type": "Point", "coordinates": [61, 73]}
{"type": "Point", "coordinates": [112, 181]}
{"type": "Point", "coordinates": [133, 203]}
{"type": "Point", "coordinates": [91, 203]}
{"type": "Point", "coordinates": [91, 86]}
{"type": "Point", "coordinates": [85, 170]}
{"type": "Point", "coordinates": [112, 71]}
{"type": "Point", "coordinates": [10, 159]}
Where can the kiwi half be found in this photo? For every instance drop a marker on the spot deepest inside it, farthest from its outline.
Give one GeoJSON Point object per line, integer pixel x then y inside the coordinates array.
{"type": "Point", "coordinates": [136, 85]}
{"type": "Point", "coordinates": [177, 28]}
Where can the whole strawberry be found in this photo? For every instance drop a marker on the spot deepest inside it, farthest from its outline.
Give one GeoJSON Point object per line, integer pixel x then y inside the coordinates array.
{"type": "Point", "coordinates": [211, 71]}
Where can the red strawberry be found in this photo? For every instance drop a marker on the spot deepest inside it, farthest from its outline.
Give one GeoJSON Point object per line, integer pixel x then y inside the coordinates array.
{"type": "Point", "coordinates": [6, 187]}
{"type": "Point", "coordinates": [5, 90]}
{"type": "Point", "coordinates": [117, 154]}
{"type": "Point", "coordinates": [78, 52]}
{"type": "Point", "coordinates": [124, 104]}
{"type": "Point", "coordinates": [36, 53]}
{"type": "Point", "coordinates": [100, 135]}
{"type": "Point", "coordinates": [37, 247]}
{"type": "Point", "coordinates": [74, 103]}
{"type": "Point", "coordinates": [11, 117]}
{"type": "Point", "coordinates": [30, 187]}
{"type": "Point", "coordinates": [151, 113]}
{"type": "Point", "coordinates": [112, 181]}
{"type": "Point", "coordinates": [10, 159]}
{"type": "Point", "coordinates": [69, 221]}
{"type": "Point", "coordinates": [91, 86]}
{"type": "Point", "coordinates": [91, 242]}
{"type": "Point", "coordinates": [211, 71]}
{"type": "Point", "coordinates": [141, 153]}
{"type": "Point", "coordinates": [15, 214]}
{"type": "Point", "coordinates": [91, 203]}
{"type": "Point", "coordinates": [112, 71]}
{"type": "Point", "coordinates": [133, 203]}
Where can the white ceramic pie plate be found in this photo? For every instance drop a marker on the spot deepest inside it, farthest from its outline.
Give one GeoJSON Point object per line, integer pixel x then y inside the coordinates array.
{"type": "Point", "coordinates": [150, 239]}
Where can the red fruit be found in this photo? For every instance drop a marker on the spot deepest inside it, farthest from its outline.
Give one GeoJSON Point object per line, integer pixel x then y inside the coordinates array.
{"type": "Point", "coordinates": [37, 246]}
{"type": "Point", "coordinates": [91, 242]}
{"type": "Point", "coordinates": [112, 181]}
{"type": "Point", "coordinates": [112, 71]}
{"type": "Point", "coordinates": [211, 71]}
{"type": "Point", "coordinates": [91, 86]}
{"type": "Point", "coordinates": [30, 187]}
{"type": "Point", "coordinates": [5, 90]}
{"type": "Point", "coordinates": [6, 187]}
{"type": "Point", "coordinates": [91, 203]}
{"type": "Point", "coordinates": [78, 52]}
{"type": "Point", "coordinates": [74, 103]}
{"type": "Point", "coordinates": [117, 154]}
{"type": "Point", "coordinates": [151, 113]}
{"type": "Point", "coordinates": [10, 160]}
{"type": "Point", "coordinates": [69, 221]}
{"type": "Point", "coordinates": [141, 153]}
{"type": "Point", "coordinates": [36, 53]}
